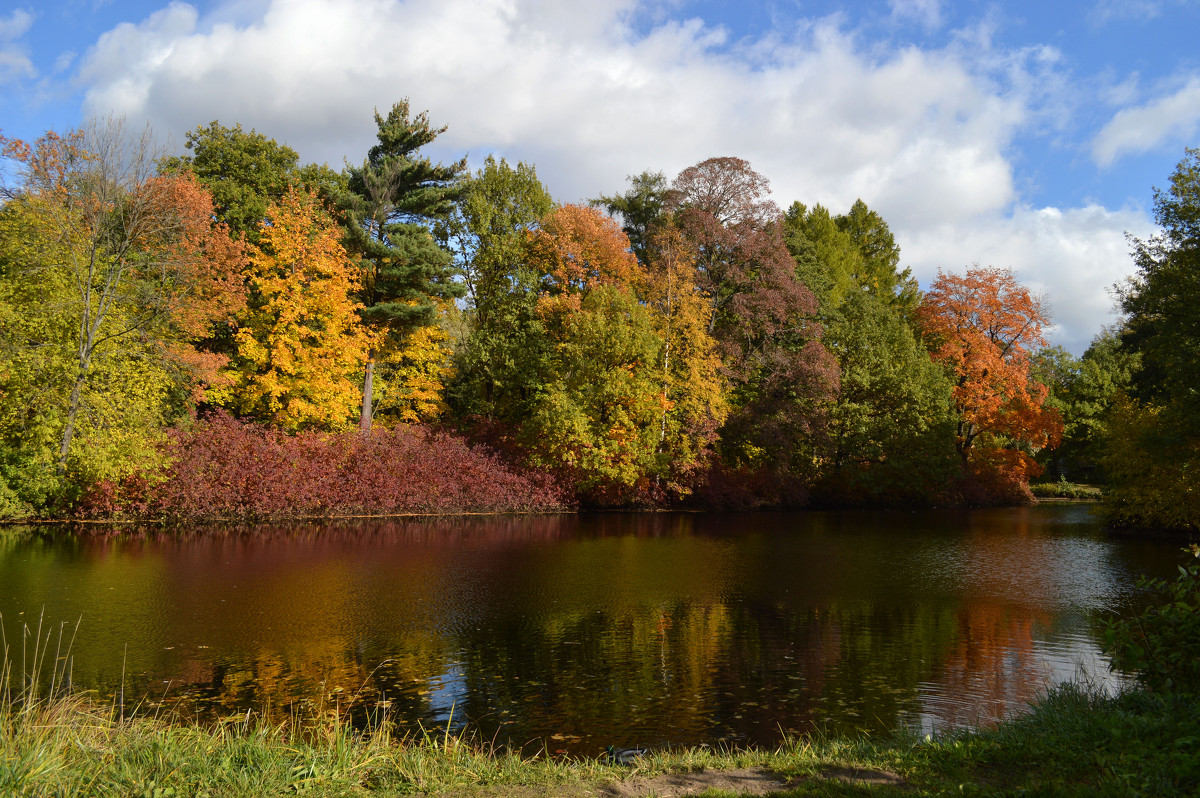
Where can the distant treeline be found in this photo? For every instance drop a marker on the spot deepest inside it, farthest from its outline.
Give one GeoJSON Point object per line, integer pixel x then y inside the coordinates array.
{"type": "Point", "coordinates": [228, 333]}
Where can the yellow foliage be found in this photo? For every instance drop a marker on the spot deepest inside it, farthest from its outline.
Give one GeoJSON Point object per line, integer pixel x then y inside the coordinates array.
{"type": "Point", "coordinates": [301, 347]}
{"type": "Point", "coordinates": [413, 373]}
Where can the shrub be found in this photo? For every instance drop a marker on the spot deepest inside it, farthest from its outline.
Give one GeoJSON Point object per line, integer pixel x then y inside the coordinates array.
{"type": "Point", "coordinates": [1163, 643]}
{"type": "Point", "coordinates": [223, 468]}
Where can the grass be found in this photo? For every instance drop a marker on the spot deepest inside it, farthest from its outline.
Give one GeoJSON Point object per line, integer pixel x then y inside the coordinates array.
{"type": "Point", "coordinates": [1075, 742]}
{"type": "Point", "coordinates": [1064, 490]}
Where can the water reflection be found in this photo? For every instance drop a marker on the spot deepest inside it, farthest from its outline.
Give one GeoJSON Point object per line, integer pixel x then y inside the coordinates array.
{"type": "Point", "coordinates": [579, 632]}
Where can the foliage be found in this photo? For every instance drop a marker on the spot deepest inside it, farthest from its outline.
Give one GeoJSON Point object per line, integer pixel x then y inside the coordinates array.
{"type": "Point", "coordinates": [1150, 460]}
{"type": "Point", "coordinates": [222, 468]}
{"type": "Point", "coordinates": [390, 201]}
{"type": "Point", "coordinates": [495, 364]}
{"type": "Point", "coordinates": [1082, 390]}
{"type": "Point", "coordinates": [111, 279]}
{"type": "Point", "coordinates": [412, 374]}
{"type": "Point", "coordinates": [1162, 645]}
{"type": "Point", "coordinates": [981, 326]}
{"type": "Point", "coordinates": [244, 172]}
{"type": "Point", "coordinates": [890, 427]}
{"type": "Point", "coordinates": [759, 313]}
{"type": "Point", "coordinates": [596, 418]}
{"type": "Point", "coordinates": [1063, 490]}
{"type": "Point", "coordinates": [300, 344]}
{"type": "Point", "coordinates": [1161, 328]}
{"type": "Point", "coordinates": [487, 229]}
{"type": "Point", "coordinates": [694, 388]}
{"type": "Point", "coordinates": [642, 208]}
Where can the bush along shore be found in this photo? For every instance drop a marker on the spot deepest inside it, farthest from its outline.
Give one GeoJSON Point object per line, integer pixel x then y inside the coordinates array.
{"type": "Point", "coordinates": [1076, 741]}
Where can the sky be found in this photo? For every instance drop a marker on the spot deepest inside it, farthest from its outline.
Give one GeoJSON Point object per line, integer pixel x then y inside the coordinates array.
{"type": "Point", "coordinates": [1024, 135]}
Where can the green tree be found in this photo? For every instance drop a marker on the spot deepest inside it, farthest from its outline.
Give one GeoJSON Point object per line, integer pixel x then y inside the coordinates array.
{"type": "Point", "coordinates": [596, 417]}
{"type": "Point", "coordinates": [1082, 390]}
{"type": "Point", "coordinates": [245, 172]}
{"type": "Point", "coordinates": [489, 233]}
{"type": "Point", "coordinates": [891, 433]}
{"type": "Point", "coordinates": [642, 208]}
{"type": "Point", "coordinates": [1156, 429]}
{"type": "Point", "coordinates": [391, 202]}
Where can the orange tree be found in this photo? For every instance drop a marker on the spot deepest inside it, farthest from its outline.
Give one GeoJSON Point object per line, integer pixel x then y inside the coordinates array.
{"type": "Point", "coordinates": [982, 326]}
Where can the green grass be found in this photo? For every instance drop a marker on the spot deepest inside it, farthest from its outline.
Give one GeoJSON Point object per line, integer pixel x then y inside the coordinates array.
{"type": "Point", "coordinates": [1064, 490]}
{"type": "Point", "coordinates": [1075, 742]}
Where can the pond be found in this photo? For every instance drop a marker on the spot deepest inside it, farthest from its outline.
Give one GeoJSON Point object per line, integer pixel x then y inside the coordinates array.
{"type": "Point", "coordinates": [576, 632]}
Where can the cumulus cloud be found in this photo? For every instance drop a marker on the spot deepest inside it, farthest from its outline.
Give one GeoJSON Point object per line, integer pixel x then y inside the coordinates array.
{"type": "Point", "coordinates": [1144, 127]}
{"type": "Point", "coordinates": [593, 92]}
{"type": "Point", "coordinates": [14, 56]}
{"type": "Point", "coordinates": [1071, 257]}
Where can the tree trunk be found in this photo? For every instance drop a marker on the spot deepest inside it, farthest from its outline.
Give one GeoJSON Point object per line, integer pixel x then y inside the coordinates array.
{"type": "Point", "coordinates": [72, 412]}
{"type": "Point", "coordinates": [364, 421]}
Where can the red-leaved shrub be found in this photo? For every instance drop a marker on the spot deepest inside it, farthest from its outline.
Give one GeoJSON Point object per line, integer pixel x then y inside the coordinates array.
{"type": "Point", "coordinates": [222, 468]}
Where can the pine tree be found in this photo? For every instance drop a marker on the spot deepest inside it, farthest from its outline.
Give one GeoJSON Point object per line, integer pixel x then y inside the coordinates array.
{"type": "Point", "coordinates": [391, 201]}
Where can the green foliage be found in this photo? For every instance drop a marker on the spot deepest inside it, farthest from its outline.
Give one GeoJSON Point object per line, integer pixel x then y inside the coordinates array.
{"type": "Point", "coordinates": [596, 416]}
{"type": "Point", "coordinates": [487, 230]}
{"type": "Point", "coordinates": [1063, 490]}
{"type": "Point", "coordinates": [1082, 390]}
{"type": "Point", "coordinates": [642, 208]}
{"type": "Point", "coordinates": [1162, 645]}
{"type": "Point", "coordinates": [245, 172]}
{"type": "Point", "coordinates": [891, 434]}
{"type": "Point", "coordinates": [1152, 449]}
{"type": "Point", "coordinates": [390, 202]}
{"type": "Point", "coordinates": [836, 255]}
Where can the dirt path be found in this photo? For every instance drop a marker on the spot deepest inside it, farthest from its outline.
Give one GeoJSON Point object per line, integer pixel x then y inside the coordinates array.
{"type": "Point", "coordinates": [743, 782]}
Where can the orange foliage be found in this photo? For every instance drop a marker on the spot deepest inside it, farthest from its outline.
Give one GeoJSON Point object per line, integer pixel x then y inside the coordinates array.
{"type": "Point", "coordinates": [578, 248]}
{"type": "Point", "coordinates": [982, 326]}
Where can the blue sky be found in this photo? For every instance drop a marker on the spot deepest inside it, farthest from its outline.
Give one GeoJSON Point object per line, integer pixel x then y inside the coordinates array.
{"type": "Point", "coordinates": [1026, 135]}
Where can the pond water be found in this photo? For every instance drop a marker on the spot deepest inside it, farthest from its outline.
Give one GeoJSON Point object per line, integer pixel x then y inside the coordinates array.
{"type": "Point", "coordinates": [581, 631]}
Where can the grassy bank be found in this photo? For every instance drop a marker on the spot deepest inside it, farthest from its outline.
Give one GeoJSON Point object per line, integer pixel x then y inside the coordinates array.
{"type": "Point", "coordinates": [1073, 742]}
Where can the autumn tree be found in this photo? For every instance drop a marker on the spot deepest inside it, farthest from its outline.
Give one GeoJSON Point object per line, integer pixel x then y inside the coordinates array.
{"type": "Point", "coordinates": [300, 344]}
{"type": "Point", "coordinates": [138, 271]}
{"type": "Point", "coordinates": [982, 326]}
{"type": "Point", "coordinates": [694, 388]}
{"type": "Point", "coordinates": [392, 201]}
{"type": "Point", "coordinates": [759, 312]}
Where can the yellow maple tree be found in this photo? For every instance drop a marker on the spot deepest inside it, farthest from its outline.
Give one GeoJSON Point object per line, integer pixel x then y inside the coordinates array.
{"type": "Point", "coordinates": [301, 345]}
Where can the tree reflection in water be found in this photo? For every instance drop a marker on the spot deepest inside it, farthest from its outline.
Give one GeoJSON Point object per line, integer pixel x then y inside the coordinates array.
{"type": "Point", "coordinates": [580, 632]}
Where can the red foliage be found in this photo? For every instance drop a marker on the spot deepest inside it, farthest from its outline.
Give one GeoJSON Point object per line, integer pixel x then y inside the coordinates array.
{"type": "Point", "coordinates": [226, 469]}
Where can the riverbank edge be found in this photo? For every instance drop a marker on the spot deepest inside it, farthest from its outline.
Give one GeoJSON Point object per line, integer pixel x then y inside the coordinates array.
{"type": "Point", "coordinates": [1075, 741]}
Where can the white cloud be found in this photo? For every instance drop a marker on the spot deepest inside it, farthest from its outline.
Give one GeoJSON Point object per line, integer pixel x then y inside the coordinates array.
{"type": "Point", "coordinates": [923, 136]}
{"type": "Point", "coordinates": [1142, 128]}
{"type": "Point", "coordinates": [14, 56]}
{"type": "Point", "coordinates": [1072, 257]}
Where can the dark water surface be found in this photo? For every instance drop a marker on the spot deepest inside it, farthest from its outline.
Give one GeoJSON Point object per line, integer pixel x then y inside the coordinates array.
{"type": "Point", "coordinates": [584, 631]}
